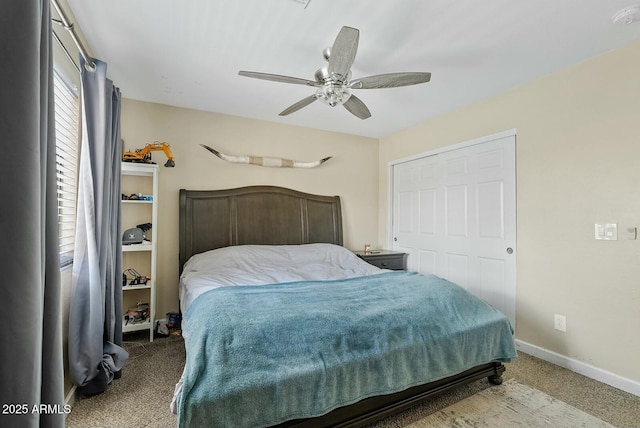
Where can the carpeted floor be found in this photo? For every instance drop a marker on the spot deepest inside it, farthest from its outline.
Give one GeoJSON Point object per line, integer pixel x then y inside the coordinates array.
{"type": "Point", "coordinates": [141, 397]}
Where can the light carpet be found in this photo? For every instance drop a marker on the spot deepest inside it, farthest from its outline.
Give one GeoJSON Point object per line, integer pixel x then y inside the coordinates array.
{"type": "Point", "coordinates": [510, 405]}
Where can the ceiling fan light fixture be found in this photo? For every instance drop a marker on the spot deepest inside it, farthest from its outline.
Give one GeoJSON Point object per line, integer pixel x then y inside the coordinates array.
{"type": "Point", "coordinates": [627, 15]}
{"type": "Point", "coordinates": [333, 94]}
{"type": "Point", "coordinates": [334, 79]}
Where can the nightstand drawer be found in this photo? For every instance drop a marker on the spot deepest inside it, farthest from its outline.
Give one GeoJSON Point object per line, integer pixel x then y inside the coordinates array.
{"type": "Point", "coordinates": [384, 259]}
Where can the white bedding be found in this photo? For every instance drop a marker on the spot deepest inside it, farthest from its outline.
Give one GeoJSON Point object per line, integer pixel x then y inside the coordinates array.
{"type": "Point", "coordinates": [268, 264]}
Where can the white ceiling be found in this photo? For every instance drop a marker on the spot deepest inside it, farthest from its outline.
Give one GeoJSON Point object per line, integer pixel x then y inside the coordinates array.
{"type": "Point", "coordinates": [188, 53]}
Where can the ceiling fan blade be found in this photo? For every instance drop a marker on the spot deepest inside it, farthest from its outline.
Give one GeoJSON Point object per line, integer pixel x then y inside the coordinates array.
{"type": "Point", "coordinates": [278, 78]}
{"type": "Point", "coordinates": [297, 106]}
{"type": "Point", "coordinates": [343, 52]}
{"type": "Point", "coordinates": [390, 80]}
{"type": "Point", "coordinates": [357, 107]}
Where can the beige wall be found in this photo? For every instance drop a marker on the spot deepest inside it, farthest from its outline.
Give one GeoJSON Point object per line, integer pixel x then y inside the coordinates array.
{"type": "Point", "coordinates": [578, 163]}
{"type": "Point", "coordinates": [352, 173]}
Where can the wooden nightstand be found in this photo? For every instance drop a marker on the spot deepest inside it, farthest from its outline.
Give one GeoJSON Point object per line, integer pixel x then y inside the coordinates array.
{"type": "Point", "coordinates": [384, 259]}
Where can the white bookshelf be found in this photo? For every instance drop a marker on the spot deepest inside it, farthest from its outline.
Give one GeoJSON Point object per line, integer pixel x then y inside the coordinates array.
{"type": "Point", "coordinates": [140, 178]}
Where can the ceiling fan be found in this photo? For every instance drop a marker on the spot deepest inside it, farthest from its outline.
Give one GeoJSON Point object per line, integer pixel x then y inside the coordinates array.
{"type": "Point", "coordinates": [334, 79]}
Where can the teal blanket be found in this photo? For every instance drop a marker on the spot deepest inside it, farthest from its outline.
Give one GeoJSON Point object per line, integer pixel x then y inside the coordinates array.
{"type": "Point", "coordinates": [261, 355]}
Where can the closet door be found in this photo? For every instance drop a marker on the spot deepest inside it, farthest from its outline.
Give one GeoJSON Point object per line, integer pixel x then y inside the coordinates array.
{"type": "Point", "coordinates": [454, 212]}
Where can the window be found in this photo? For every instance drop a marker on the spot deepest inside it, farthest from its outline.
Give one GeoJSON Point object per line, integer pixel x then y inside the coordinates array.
{"type": "Point", "coordinates": [66, 117]}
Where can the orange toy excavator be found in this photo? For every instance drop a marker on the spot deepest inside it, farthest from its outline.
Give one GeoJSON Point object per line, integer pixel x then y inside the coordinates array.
{"type": "Point", "coordinates": [143, 155]}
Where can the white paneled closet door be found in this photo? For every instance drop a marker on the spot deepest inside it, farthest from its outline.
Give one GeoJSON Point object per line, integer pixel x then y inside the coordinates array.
{"type": "Point", "coordinates": [454, 212]}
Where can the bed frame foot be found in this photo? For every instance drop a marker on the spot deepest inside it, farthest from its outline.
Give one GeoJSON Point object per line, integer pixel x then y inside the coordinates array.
{"type": "Point", "coordinates": [495, 379]}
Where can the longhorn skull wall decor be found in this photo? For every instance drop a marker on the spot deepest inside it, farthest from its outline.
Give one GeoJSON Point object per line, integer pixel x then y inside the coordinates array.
{"type": "Point", "coordinates": [267, 161]}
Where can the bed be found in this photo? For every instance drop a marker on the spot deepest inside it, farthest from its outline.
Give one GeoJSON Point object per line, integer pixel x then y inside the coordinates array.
{"type": "Point", "coordinates": [285, 327]}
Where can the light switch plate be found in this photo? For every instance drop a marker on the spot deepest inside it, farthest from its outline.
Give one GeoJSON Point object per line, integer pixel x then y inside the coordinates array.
{"type": "Point", "coordinates": [606, 231]}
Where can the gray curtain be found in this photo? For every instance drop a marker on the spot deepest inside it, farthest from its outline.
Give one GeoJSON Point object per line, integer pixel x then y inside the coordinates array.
{"type": "Point", "coordinates": [95, 317]}
{"type": "Point", "coordinates": [31, 370]}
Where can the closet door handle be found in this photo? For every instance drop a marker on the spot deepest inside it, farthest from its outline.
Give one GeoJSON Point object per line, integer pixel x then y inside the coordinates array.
{"type": "Point", "coordinates": [509, 250]}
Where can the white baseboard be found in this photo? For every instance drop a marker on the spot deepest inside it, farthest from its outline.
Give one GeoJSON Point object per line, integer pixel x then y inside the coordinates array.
{"type": "Point", "coordinates": [628, 385]}
{"type": "Point", "coordinates": [70, 399]}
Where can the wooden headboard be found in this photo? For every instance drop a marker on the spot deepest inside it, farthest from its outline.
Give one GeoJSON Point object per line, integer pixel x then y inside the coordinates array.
{"type": "Point", "coordinates": [266, 215]}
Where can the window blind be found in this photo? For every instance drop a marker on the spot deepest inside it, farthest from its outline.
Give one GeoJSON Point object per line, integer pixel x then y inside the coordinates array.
{"type": "Point", "coordinates": [66, 123]}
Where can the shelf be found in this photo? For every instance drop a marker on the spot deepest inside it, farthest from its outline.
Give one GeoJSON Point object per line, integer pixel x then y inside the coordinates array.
{"type": "Point", "coordinates": [134, 201]}
{"type": "Point", "coordinates": [140, 178]}
{"type": "Point", "coordinates": [137, 168]}
{"type": "Point", "coordinates": [144, 325]}
{"type": "Point", "coordinates": [147, 286]}
{"type": "Point", "coordinates": [145, 246]}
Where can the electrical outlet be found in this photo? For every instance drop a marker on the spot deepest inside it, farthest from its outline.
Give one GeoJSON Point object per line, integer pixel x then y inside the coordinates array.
{"type": "Point", "coordinates": [560, 322]}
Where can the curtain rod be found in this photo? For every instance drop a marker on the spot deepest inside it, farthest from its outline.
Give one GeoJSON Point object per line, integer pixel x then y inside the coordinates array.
{"type": "Point", "coordinates": [64, 21]}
